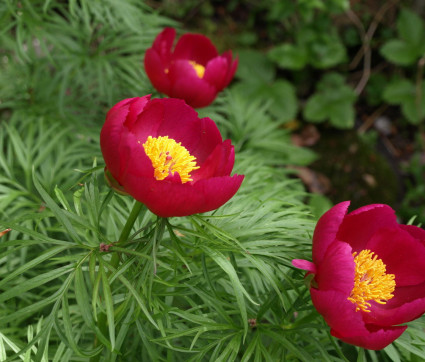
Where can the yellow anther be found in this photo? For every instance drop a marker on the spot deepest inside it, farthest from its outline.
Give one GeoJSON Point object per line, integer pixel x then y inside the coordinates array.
{"type": "Point", "coordinates": [371, 282]}
{"type": "Point", "coordinates": [200, 69]}
{"type": "Point", "coordinates": [168, 156]}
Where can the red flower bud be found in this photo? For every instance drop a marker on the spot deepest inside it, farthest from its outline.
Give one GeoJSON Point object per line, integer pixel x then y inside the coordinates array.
{"type": "Point", "coordinates": [368, 274]}
{"type": "Point", "coordinates": [163, 155]}
{"type": "Point", "coordinates": [193, 70]}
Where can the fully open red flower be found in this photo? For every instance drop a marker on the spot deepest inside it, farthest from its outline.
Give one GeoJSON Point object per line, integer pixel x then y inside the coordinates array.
{"type": "Point", "coordinates": [368, 274]}
{"type": "Point", "coordinates": [163, 155]}
{"type": "Point", "coordinates": [193, 71]}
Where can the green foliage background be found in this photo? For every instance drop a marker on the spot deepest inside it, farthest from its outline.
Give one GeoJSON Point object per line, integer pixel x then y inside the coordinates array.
{"type": "Point", "coordinates": [217, 286]}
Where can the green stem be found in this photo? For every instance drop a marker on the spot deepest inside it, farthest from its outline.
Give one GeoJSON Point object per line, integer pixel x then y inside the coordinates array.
{"type": "Point", "coordinates": [159, 232]}
{"type": "Point", "coordinates": [337, 348]}
{"type": "Point", "coordinates": [130, 222]}
{"type": "Point", "coordinates": [126, 230]}
{"type": "Point", "coordinates": [102, 321]}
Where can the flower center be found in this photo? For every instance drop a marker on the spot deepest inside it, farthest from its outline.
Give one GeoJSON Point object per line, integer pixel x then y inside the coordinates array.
{"type": "Point", "coordinates": [199, 69]}
{"type": "Point", "coordinates": [169, 156]}
{"type": "Point", "coordinates": [371, 282]}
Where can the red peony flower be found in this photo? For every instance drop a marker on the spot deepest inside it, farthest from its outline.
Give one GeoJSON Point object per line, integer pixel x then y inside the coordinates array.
{"type": "Point", "coordinates": [368, 274]}
{"type": "Point", "coordinates": [193, 71]}
{"type": "Point", "coordinates": [163, 155]}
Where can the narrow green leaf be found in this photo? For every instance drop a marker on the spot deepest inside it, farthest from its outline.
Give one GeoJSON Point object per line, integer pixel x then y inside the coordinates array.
{"type": "Point", "coordinates": [138, 298]}
{"type": "Point", "coordinates": [238, 288]}
{"type": "Point", "coordinates": [56, 210]}
{"type": "Point", "coordinates": [123, 331]}
{"type": "Point", "coordinates": [12, 346]}
{"type": "Point", "coordinates": [95, 295]}
{"type": "Point", "coordinates": [146, 340]}
{"type": "Point", "coordinates": [48, 254]}
{"type": "Point", "coordinates": [32, 283]}
{"type": "Point", "coordinates": [109, 304]}
{"type": "Point", "coordinates": [77, 200]}
{"type": "Point", "coordinates": [69, 328]}
{"type": "Point", "coordinates": [392, 353]}
{"type": "Point", "coordinates": [62, 199]}
{"type": "Point", "coordinates": [361, 355]}
{"type": "Point", "coordinates": [84, 305]}
{"type": "Point", "coordinates": [2, 349]}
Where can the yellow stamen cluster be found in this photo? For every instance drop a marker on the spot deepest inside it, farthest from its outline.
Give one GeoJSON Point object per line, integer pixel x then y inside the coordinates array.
{"type": "Point", "coordinates": [168, 156]}
{"type": "Point", "coordinates": [200, 69]}
{"type": "Point", "coordinates": [371, 282]}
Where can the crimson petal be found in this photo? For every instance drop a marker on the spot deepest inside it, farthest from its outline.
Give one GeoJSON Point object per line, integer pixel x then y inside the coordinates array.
{"type": "Point", "coordinates": [336, 271]}
{"type": "Point", "coordinates": [326, 230]}
{"type": "Point", "coordinates": [377, 337]}
{"type": "Point", "coordinates": [403, 255]}
{"type": "Point", "coordinates": [216, 72]}
{"type": "Point", "coordinates": [156, 69]}
{"type": "Point", "coordinates": [338, 311]}
{"type": "Point", "coordinates": [359, 226]}
{"type": "Point", "coordinates": [195, 47]}
{"type": "Point", "coordinates": [168, 199]}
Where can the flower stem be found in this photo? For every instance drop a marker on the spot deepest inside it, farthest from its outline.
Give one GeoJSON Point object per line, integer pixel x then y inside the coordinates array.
{"type": "Point", "coordinates": [137, 207]}
{"type": "Point", "coordinates": [159, 232]}
{"type": "Point", "coordinates": [130, 222]}
{"type": "Point", "coordinates": [102, 321]}
{"type": "Point", "coordinates": [337, 348]}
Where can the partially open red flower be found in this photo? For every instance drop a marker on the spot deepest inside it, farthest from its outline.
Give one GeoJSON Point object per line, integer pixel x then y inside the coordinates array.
{"type": "Point", "coordinates": [193, 70]}
{"type": "Point", "coordinates": [163, 155]}
{"type": "Point", "coordinates": [368, 274]}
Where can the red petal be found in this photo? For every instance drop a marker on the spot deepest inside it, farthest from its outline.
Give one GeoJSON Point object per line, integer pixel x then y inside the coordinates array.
{"type": "Point", "coordinates": [195, 47]}
{"type": "Point", "coordinates": [403, 255]}
{"type": "Point", "coordinates": [111, 133]}
{"type": "Point", "coordinates": [149, 121]}
{"type": "Point", "coordinates": [188, 86]}
{"type": "Point", "coordinates": [359, 226]}
{"type": "Point", "coordinates": [403, 295]}
{"type": "Point", "coordinates": [163, 44]}
{"type": "Point", "coordinates": [219, 163]}
{"type": "Point", "coordinates": [407, 308]}
{"type": "Point", "coordinates": [175, 119]}
{"type": "Point", "coordinates": [232, 68]}
{"type": "Point", "coordinates": [210, 137]}
{"type": "Point", "coordinates": [168, 199]}
{"type": "Point", "coordinates": [377, 338]}
{"type": "Point", "coordinates": [137, 106]}
{"type": "Point", "coordinates": [181, 123]}
{"type": "Point", "coordinates": [304, 265]}
{"type": "Point", "coordinates": [118, 107]}
{"type": "Point", "coordinates": [216, 72]}
{"type": "Point", "coordinates": [156, 69]}
{"type": "Point", "coordinates": [339, 313]}
{"type": "Point", "coordinates": [135, 163]}
{"type": "Point", "coordinates": [416, 232]}
{"type": "Point", "coordinates": [326, 230]}
{"type": "Point", "coordinates": [336, 271]}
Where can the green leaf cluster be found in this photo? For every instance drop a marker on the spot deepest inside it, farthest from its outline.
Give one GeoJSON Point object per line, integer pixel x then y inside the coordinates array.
{"type": "Point", "coordinates": [317, 47]}
{"type": "Point", "coordinates": [258, 82]}
{"type": "Point", "coordinates": [333, 100]}
{"type": "Point", "coordinates": [59, 55]}
{"type": "Point", "coordinates": [403, 92]}
{"type": "Point", "coordinates": [410, 45]}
